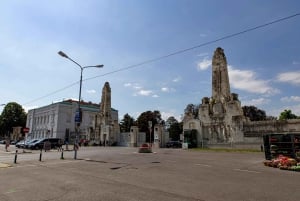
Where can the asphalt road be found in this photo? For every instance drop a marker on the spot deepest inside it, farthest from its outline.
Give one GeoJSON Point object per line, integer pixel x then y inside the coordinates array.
{"type": "Point", "coordinates": [119, 173]}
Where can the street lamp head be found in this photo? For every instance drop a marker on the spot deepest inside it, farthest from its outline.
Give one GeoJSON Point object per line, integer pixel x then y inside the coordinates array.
{"type": "Point", "coordinates": [61, 53]}
{"type": "Point", "coordinates": [99, 66]}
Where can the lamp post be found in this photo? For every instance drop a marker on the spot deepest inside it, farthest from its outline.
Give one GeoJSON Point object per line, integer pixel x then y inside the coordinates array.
{"type": "Point", "coordinates": [78, 115]}
{"type": "Point", "coordinates": [150, 129]}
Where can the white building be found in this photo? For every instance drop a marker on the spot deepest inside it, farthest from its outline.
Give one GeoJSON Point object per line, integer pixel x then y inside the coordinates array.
{"type": "Point", "coordinates": [58, 120]}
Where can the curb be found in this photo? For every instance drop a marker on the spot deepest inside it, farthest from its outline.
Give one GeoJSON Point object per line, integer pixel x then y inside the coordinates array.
{"type": "Point", "coordinates": [4, 165]}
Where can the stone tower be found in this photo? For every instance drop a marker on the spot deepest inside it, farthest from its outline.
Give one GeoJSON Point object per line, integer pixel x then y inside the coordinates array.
{"type": "Point", "coordinates": [221, 120]}
{"type": "Point", "coordinates": [106, 126]}
{"type": "Point", "coordinates": [105, 105]}
{"type": "Point", "coordinates": [220, 114]}
{"type": "Point", "coordinates": [220, 79]}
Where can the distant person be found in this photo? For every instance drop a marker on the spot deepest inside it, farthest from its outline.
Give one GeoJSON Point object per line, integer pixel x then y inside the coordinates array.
{"type": "Point", "coordinates": [7, 142]}
{"type": "Point", "coordinates": [59, 146]}
{"type": "Point", "coordinates": [67, 144]}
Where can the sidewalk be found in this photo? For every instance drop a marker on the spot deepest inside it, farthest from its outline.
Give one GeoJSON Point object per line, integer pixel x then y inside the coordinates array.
{"type": "Point", "coordinates": [12, 149]}
{"type": "Point", "coordinates": [4, 165]}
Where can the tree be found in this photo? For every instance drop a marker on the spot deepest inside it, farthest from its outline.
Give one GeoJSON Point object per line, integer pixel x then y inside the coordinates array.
{"type": "Point", "coordinates": [170, 121]}
{"type": "Point", "coordinates": [287, 114]}
{"type": "Point", "coordinates": [126, 123]}
{"type": "Point", "coordinates": [144, 118]}
{"type": "Point", "coordinates": [174, 128]}
{"type": "Point", "coordinates": [192, 109]}
{"type": "Point", "coordinates": [254, 113]}
{"type": "Point", "coordinates": [12, 115]}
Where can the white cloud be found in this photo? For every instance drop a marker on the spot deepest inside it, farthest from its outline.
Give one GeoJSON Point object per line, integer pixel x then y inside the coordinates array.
{"type": "Point", "coordinates": [296, 63]}
{"type": "Point", "coordinates": [133, 85]}
{"type": "Point", "coordinates": [166, 114]}
{"type": "Point", "coordinates": [203, 54]}
{"type": "Point", "coordinates": [204, 64]}
{"type": "Point", "coordinates": [137, 87]}
{"type": "Point", "coordinates": [91, 91]}
{"type": "Point", "coordinates": [203, 35]}
{"type": "Point", "coordinates": [166, 89]}
{"type": "Point", "coordinates": [276, 111]}
{"type": "Point", "coordinates": [139, 91]}
{"type": "Point", "coordinates": [246, 80]}
{"type": "Point", "coordinates": [29, 108]}
{"type": "Point", "coordinates": [295, 109]}
{"type": "Point", "coordinates": [145, 92]}
{"type": "Point", "coordinates": [290, 77]}
{"type": "Point", "coordinates": [256, 102]}
{"type": "Point", "coordinates": [291, 99]}
{"type": "Point", "coordinates": [127, 85]}
{"type": "Point", "coordinates": [177, 79]}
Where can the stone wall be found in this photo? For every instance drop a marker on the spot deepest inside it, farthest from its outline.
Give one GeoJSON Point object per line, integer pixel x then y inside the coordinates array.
{"type": "Point", "coordinates": [258, 128]}
{"type": "Point", "coordinates": [124, 139]}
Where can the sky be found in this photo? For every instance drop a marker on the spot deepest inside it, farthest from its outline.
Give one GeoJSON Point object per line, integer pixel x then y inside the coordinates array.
{"type": "Point", "coordinates": [135, 41]}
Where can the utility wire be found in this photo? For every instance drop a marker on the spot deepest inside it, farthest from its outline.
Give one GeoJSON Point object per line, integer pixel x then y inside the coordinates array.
{"type": "Point", "coordinates": [171, 54]}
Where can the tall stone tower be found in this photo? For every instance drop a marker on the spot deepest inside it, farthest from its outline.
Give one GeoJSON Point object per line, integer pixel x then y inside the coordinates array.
{"type": "Point", "coordinates": [106, 126]}
{"type": "Point", "coordinates": [105, 105]}
{"type": "Point", "coordinates": [221, 114]}
{"type": "Point", "coordinates": [220, 79]}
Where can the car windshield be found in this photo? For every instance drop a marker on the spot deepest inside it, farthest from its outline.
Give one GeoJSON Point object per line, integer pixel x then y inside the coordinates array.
{"type": "Point", "coordinates": [33, 141]}
{"type": "Point", "coordinates": [21, 142]}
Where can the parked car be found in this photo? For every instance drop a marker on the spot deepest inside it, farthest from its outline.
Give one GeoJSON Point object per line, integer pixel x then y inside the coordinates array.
{"type": "Point", "coordinates": [174, 144]}
{"type": "Point", "coordinates": [21, 144]}
{"type": "Point", "coordinates": [30, 142]}
{"type": "Point", "coordinates": [37, 144]}
{"type": "Point", "coordinates": [14, 142]}
{"type": "Point", "coordinates": [54, 143]}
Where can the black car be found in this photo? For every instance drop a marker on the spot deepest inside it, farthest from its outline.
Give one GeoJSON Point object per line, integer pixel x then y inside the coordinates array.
{"type": "Point", "coordinates": [27, 145]}
{"type": "Point", "coordinates": [54, 143]}
{"type": "Point", "coordinates": [174, 144]}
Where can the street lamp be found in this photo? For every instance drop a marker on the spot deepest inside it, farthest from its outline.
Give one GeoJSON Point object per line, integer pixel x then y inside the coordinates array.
{"type": "Point", "coordinates": [78, 114]}
{"type": "Point", "coordinates": [150, 129]}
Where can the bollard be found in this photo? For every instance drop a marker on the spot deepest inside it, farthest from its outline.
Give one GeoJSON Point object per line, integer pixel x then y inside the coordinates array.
{"type": "Point", "coordinates": [15, 161]}
{"type": "Point", "coordinates": [41, 154]}
{"type": "Point", "coordinates": [62, 154]}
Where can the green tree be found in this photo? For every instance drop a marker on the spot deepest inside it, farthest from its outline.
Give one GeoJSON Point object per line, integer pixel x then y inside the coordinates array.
{"type": "Point", "coordinates": [174, 128]}
{"type": "Point", "coordinates": [126, 123]}
{"type": "Point", "coordinates": [170, 121]}
{"type": "Point", "coordinates": [254, 113]}
{"type": "Point", "coordinates": [12, 115]}
{"type": "Point", "coordinates": [287, 114]}
{"type": "Point", "coordinates": [192, 109]}
{"type": "Point", "coordinates": [144, 118]}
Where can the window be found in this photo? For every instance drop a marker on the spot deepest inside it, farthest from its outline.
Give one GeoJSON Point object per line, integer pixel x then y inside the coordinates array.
{"type": "Point", "coordinates": [192, 125]}
{"type": "Point", "coordinates": [68, 117]}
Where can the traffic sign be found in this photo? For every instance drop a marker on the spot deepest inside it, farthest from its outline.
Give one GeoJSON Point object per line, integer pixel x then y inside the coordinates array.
{"type": "Point", "coordinates": [78, 116]}
{"type": "Point", "coordinates": [25, 130]}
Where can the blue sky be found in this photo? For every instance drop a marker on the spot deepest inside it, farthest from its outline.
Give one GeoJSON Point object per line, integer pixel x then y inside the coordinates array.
{"type": "Point", "coordinates": [264, 65]}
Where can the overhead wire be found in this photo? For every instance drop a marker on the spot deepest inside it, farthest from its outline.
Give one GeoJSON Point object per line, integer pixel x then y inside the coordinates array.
{"type": "Point", "coordinates": [171, 54]}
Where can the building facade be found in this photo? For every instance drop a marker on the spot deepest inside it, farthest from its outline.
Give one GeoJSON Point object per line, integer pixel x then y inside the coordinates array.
{"type": "Point", "coordinates": [220, 117]}
{"type": "Point", "coordinates": [57, 120]}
